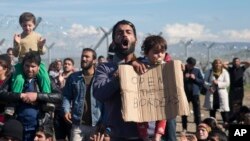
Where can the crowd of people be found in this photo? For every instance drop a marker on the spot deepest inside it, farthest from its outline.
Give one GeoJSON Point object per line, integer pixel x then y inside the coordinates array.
{"type": "Point", "coordinates": [62, 103]}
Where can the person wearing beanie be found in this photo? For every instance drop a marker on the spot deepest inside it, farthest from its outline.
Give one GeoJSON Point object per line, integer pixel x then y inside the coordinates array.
{"type": "Point", "coordinates": [12, 130]}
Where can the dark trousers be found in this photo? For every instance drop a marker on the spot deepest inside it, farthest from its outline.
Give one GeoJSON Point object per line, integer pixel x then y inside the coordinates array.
{"type": "Point", "coordinates": [170, 131]}
{"type": "Point", "coordinates": [236, 96]}
{"type": "Point", "coordinates": [224, 115]}
{"type": "Point", "coordinates": [195, 99]}
{"type": "Point", "coordinates": [62, 127]}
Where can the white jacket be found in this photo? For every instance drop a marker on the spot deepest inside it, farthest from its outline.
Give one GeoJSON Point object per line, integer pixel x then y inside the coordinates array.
{"type": "Point", "coordinates": [223, 84]}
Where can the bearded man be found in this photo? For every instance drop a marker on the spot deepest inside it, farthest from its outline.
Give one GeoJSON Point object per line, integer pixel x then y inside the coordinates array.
{"type": "Point", "coordinates": [85, 113]}
{"type": "Point", "coordinates": [107, 87]}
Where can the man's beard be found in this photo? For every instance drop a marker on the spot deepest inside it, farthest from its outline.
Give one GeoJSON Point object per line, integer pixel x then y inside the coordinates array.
{"type": "Point", "coordinates": [87, 66]}
{"type": "Point", "coordinates": [123, 53]}
{"type": "Point", "coordinates": [29, 76]}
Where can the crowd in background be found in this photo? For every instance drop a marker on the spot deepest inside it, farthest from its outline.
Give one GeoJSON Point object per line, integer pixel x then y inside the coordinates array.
{"type": "Point", "coordinates": [64, 103]}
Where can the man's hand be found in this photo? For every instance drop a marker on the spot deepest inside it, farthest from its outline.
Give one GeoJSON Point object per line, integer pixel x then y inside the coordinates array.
{"type": "Point", "coordinates": [191, 137]}
{"type": "Point", "coordinates": [17, 38]}
{"type": "Point", "coordinates": [182, 67]}
{"type": "Point", "coordinates": [139, 67]}
{"type": "Point", "coordinates": [60, 77]}
{"type": "Point", "coordinates": [187, 75]}
{"type": "Point", "coordinates": [116, 74]}
{"type": "Point", "coordinates": [67, 117]}
{"type": "Point", "coordinates": [41, 43]}
{"type": "Point", "coordinates": [29, 97]}
{"type": "Point", "coordinates": [211, 90]}
{"type": "Point", "coordinates": [192, 76]}
{"type": "Point", "coordinates": [61, 80]}
{"type": "Point", "coordinates": [99, 137]}
{"type": "Point", "coordinates": [157, 137]}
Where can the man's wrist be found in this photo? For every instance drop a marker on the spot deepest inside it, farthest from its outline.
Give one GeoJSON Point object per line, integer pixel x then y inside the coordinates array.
{"type": "Point", "coordinates": [130, 62]}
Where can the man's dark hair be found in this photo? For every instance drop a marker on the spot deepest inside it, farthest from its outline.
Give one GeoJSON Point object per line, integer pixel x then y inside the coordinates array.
{"type": "Point", "coordinates": [91, 50]}
{"type": "Point", "coordinates": [235, 58]}
{"type": "Point", "coordinates": [218, 133]}
{"type": "Point", "coordinates": [100, 57]}
{"type": "Point", "coordinates": [123, 22]}
{"type": "Point", "coordinates": [47, 130]}
{"type": "Point", "coordinates": [244, 109]}
{"type": "Point", "coordinates": [191, 61]}
{"type": "Point", "coordinates": [32, 56]}
{"type": "Point", "coordinates": [69, 59]}
{"type": "Point", "coordinates": [27, 16]}
{"type": "Point", "coordinates": [9, 49]}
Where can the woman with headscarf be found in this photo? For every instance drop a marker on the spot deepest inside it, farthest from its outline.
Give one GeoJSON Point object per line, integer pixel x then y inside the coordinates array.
{"type": "Point", "coordinates": [217, 81]}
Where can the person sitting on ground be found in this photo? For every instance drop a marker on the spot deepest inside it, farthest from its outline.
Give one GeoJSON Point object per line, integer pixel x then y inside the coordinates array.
{"type": "Point", "coordinates": [12, 131]}
{"type": "Point", "coordinates": [212, 122]}
{"type": "Point", "coordinates": [238, 116]}
{"type": "Point", "coordinates": [201, 134]}
{"type": "Point", "coordinates": [217, 135]}
{"type": "Point", "coordinates": [44, 133]}
{"type": "Point", "coordinates": [247, 119]}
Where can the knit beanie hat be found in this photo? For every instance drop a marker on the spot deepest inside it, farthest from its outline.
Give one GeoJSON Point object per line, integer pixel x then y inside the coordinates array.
{"type": "Point", "coordinates": [13, 128]}
{"type": "Point", "coordinates": [204, 126]}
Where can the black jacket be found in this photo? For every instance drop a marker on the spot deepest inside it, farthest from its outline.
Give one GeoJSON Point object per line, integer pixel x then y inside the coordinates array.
{"type": "Point", "coordinates": [194, 83]}
{"type": "Point", "coordinates": [7, 96]}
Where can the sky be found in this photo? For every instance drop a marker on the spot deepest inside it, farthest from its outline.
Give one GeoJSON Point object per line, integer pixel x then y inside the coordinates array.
{"type": "Point", "coordinates": [77, 22]}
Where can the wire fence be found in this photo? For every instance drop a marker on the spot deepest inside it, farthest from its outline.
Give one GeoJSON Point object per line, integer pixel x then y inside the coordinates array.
{"type": "Point", "coordinates": [69, 44]}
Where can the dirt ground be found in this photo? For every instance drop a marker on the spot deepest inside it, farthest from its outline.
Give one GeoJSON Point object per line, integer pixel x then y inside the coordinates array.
{"type": "Point", "coordinates": [205, 114]}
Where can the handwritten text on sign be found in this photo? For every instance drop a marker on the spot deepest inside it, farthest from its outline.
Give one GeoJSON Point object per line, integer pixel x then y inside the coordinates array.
{"type": "Point", "coordinates": [151, 96]}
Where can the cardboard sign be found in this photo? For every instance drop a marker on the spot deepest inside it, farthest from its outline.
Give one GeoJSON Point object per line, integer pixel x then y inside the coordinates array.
{"type": "Point", "coordinates": [158, 94]}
